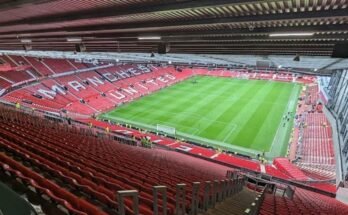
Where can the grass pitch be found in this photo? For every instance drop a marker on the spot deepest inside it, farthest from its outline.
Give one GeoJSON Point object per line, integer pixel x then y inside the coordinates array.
{"type": "Point", "coordinates": [241, 115]}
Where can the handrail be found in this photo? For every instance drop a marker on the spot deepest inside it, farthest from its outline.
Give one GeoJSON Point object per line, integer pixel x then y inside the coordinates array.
{"type": "Point", "coordinates": [256, 204]}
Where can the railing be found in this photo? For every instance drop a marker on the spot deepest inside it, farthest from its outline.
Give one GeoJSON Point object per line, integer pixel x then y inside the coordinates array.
{"type": "Point", "coordinates": [214, 192]}
{"type": "Point", "coordinates": [254, 207]}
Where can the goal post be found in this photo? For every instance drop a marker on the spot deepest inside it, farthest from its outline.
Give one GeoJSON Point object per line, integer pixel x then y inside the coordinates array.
{"type": "Point", "coordinates": [166, 129]}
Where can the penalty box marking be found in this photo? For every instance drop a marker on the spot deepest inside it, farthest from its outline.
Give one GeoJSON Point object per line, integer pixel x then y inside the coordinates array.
{"type": "Point", "coordinates": [233, 126]}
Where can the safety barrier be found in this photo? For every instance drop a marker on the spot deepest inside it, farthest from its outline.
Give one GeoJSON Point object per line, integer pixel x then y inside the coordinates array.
{"type": "Point", "coordinates": [213, 193]}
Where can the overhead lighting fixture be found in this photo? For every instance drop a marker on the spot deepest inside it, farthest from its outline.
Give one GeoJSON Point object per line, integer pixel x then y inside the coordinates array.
{"type": "Point", "coordinates": [25, 41]}
{"type": "Point", "coordinates": [74, 40]}
{"type": "Point", "coordinates": [23, 35]}
{"type": "Point", "coordinates": [169, 62]}
{"type": "Point", "coordinates": [291, 34]}
{"type": "Point", "coordinates": [280, 66]}
{"type": "Point", "coordinates": [149, 38]}
{"type": "Point", "coordinates": [315, 69]}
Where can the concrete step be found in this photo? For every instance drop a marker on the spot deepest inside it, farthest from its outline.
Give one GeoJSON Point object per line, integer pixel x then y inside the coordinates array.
{"type": "Point", "coordinates": [235, 205]}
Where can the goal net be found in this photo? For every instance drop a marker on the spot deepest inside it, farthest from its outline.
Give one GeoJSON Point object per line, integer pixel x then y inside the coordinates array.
{"type": "Point", "coordinates": [166, 129]}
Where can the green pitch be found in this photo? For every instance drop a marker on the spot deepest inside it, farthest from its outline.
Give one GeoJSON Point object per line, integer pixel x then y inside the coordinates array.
{"type": "Point", "coordinates": [240, 115]}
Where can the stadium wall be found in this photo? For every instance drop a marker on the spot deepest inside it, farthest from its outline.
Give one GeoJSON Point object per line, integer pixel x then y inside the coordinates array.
{"type": "Point", "coordinates": [338, 106]}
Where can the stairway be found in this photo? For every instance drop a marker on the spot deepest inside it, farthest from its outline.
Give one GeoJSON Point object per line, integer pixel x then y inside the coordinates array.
{"type": "Point", "coordinates": [234, 205]}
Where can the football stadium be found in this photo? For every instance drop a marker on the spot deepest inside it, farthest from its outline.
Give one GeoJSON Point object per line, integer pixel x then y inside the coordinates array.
{"type": "Point", "coordinates": [209, 110]}
{"type": "Point", "coordinates": [190, 107]}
